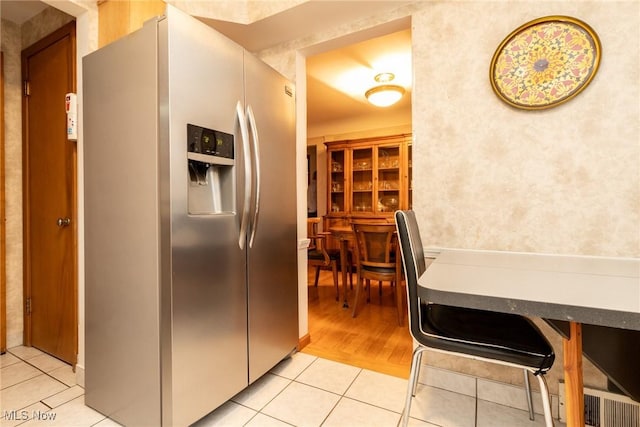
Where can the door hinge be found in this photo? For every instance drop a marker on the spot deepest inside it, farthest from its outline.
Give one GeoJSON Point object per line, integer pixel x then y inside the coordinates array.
{"type": "Point", "coordinates": [28, 306]}
{"type": "Point", "coordinates": [27, 88]}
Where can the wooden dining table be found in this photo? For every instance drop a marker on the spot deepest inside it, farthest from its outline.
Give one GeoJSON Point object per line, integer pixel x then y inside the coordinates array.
{"type": "Point", "coordinates": [579, 289]}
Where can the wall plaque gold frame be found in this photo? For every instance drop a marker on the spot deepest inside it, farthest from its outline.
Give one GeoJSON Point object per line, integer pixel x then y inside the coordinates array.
{"type": "Point", "coordinates": [545, 62]}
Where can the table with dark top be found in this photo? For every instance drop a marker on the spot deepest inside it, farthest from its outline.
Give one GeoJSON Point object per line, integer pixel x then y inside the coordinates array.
{"type": "Point", "coordinates": [590, 290]}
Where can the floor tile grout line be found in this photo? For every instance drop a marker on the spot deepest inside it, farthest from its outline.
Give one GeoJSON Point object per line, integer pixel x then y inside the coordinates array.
{"type": "Point", "coordinates": [475, 400]}
{"type": "Point", "coordinates": [26, 361]}
{"type": "Point", "coordinates": [49, 375]}
{"type": "Point", "coordinates": [295, 380]}
{"type": "Point", "coordinates": [371, 404]}
{"type": "Point", "coordinates": [22, 358]}
{"type": "Point", "coordinates": [41, 400]}
{"type": "Point", "coordinates": [11, 364]}
{"type": "Point", "coordinates": [324, 420]}
{"type": "Point", "coordinates": [270, 416]}
{"type": "Point", "coordinates": [23, 381]}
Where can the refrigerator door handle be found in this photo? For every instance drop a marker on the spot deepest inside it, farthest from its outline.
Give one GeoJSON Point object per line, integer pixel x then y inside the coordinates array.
{"type": "Point", "coordinates": [244, 220]}
{"type": "Point", "coordinates": [256, 163]}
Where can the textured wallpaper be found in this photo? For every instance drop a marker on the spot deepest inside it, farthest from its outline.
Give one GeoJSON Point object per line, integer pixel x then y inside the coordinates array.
{"type": "Point", "coordinates": [11, 47]}
{"type": "Point", "coordinates": [489, 176]}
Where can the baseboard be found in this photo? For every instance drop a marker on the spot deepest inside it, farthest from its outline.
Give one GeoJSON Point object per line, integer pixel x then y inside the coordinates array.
{"type": "Point", "coordinates": [80, 375]}
{"type": "Point", "coordinates": [303, 341]}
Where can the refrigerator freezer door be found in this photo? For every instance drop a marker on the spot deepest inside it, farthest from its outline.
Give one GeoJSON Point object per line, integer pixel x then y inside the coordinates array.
{"type": "Point", "coordinates": [204, 328]}
{"type": "Point", "coordinates": [273, 289]}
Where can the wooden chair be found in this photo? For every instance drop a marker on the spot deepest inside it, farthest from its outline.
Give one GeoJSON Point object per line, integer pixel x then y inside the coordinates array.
{"type": "Point", "coordinates": [376, 249]}
{"type": "Point", "coordinates": [502, 338]}
{"type": "Point", "coordinates": [318, 256]}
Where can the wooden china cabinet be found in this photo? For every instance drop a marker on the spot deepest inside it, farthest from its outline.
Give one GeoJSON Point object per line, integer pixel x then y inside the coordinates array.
{"type": "Point", "coordinates": [367, 179]}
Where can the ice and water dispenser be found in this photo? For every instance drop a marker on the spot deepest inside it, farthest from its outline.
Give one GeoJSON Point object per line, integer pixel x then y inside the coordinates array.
{"type": "Point", "coordinates": [210, 157]}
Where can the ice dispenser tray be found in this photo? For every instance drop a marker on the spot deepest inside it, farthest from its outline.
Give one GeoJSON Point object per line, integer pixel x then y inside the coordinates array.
{"type": "Point", "coordinates": [210, 161]}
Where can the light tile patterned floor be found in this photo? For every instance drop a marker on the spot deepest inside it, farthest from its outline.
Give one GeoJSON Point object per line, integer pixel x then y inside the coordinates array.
{"type": "Point", "coordinates": [38, 390]}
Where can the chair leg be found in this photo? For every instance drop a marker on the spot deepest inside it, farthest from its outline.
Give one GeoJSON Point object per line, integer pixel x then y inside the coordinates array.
{"type": "Point", "coordinates": [399, 303]}
{"type": "Point", "coordinates": [411, 386]}
{"type": "Point", "coordinates": [357, 299]}
{"type": "Point", "coordinates": [315, 283]}
{"type": "Point", "coordinates": [334, 268]}
{"type": "Point", "coordinates": [350, 270]}
{"type": "Point", "coordinates": [415, 381]}
{"type": "Point", "coordinates": [544, 390]}
{"type": "Point", "coordinates": [527, 389]}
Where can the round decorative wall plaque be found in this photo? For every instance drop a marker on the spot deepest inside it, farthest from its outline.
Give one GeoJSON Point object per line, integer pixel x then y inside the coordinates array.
{"type": "Point", "coordinates": [545, 62]}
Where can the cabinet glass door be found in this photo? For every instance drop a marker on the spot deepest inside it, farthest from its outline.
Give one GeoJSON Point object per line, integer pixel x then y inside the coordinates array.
{"type": "Point", "coordinates": [388, 178]}
{"type": "Point", "coordinates": [336, 181]}
{"type": "Point", "coordinates": [362, 187]}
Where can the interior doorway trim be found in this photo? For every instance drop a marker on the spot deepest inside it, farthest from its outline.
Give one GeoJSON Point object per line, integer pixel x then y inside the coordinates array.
{"type": "Point", "coordinates": [3, 233]}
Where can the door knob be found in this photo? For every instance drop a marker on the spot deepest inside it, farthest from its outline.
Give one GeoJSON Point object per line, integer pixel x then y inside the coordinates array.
{"type": "Point", "coordinates": [63, 222]}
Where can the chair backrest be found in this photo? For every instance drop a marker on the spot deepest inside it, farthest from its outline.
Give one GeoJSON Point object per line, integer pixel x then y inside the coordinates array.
{"type": "Point", "coordinates": [413, 262]}
{"type": "Point", "coordinates": [374, 244]}
{"type": "Point", "coordinates": [312, 231]}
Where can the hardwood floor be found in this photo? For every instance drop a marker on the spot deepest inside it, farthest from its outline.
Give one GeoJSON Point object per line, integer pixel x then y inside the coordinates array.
{"type": "Point", "coordinates": [373, 340]}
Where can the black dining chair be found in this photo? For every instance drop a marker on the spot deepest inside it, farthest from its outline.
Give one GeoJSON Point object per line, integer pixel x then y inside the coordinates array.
{"type": "Point", "coordinates": [502, 338]}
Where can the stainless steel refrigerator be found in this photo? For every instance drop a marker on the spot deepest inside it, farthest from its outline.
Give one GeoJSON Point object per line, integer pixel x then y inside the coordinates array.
{"type": "Point", "coordinates": [190, 222]}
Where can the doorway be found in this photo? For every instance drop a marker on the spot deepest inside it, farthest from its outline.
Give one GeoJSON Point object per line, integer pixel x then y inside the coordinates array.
{"type": "Point", "coordinates": [50, 211]}
{"type": "Point", "coordinates": [373, 339]}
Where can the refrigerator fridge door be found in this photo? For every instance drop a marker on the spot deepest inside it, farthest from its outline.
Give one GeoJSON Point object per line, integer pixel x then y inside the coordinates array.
{"type": "Point", "coordinates": [204, 322]}
{"type": "Point", "coordinates": [272, 258]}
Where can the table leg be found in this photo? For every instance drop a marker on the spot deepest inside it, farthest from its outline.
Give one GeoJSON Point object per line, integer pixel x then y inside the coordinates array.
{"type": "Point", "coordinates": [574, 399]}
{"type": "Point", "coordinates": [344, 249]}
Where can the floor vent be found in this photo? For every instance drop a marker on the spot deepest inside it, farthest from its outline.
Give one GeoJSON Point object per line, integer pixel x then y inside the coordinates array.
{"type": "Point", "coordinates": [605, 409]}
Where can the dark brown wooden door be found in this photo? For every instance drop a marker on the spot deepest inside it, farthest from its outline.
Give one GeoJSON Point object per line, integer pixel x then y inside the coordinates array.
{"type": "Point", "coordinates": [49, 197]}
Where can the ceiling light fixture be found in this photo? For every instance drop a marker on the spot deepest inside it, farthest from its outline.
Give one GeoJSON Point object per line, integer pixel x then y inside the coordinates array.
{"type": "Point", "coordinates": [384, 95]}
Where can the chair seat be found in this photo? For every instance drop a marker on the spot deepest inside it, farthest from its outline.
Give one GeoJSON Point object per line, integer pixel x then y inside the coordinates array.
{"type": "Point", "coordinates": [491, 335]}
{"type": "Point", "coordinates": [318, 255]}
{"type": "Point", "coordinates": [334, 253]}
{"type": "Point", "coordinates": [315, 254]}
{"type": "Point", "coordinates": [379, 270]}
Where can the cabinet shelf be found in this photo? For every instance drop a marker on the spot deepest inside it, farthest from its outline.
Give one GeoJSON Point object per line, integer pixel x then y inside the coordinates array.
{"type": "Point", "coordinates": [373, 175]}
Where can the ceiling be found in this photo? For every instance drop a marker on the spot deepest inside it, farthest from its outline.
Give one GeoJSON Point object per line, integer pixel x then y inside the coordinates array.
{"type": "Point", "coordinates": [338, 79]}
{"type": "Point", "coordinates": [338, 72]}
{"type": "Point", "coordinates": [21, 10]}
